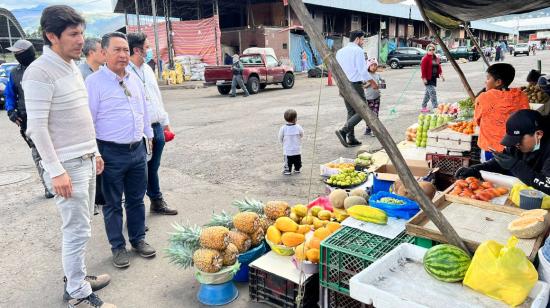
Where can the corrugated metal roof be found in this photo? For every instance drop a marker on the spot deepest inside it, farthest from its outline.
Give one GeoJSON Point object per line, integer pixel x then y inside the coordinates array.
{"type": "Point", "coordinates": [397, 10]}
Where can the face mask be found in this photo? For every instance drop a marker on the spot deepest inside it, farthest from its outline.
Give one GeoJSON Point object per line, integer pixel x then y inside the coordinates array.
{"type": "Point", "coordinates": [148, 55]}
{"type": "Point", "coordinates": [26, 57]}
{"type": "Point", "coordinates": [537, 146]}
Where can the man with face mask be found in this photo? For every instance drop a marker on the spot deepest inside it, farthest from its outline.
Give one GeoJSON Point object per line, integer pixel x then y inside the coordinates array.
{"type": "Point", "coordinates": [526, 154]}
{"type": "Point", "coordinates": [15, 100]}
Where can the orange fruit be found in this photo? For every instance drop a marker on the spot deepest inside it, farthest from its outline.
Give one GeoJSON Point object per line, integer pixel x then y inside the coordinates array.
{"type": "Point", "coordinates": [300, 252]}
{"type": "Point", "coordinates": [333, 226]}
{"type": "Point", "coordinates": [315, 242]}
{"type": "Point", "coordinates": [303, 229]}
{"type": "Point", "coordinates": [322, 233]}
{"type": "Point", "coordinates": [313, 255]}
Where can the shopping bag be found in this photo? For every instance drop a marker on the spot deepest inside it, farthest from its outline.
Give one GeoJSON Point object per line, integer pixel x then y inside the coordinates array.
{"type": "Point", "coordinates": [519, 186]}
{"type": "Point", "coordinates": [501, 272]}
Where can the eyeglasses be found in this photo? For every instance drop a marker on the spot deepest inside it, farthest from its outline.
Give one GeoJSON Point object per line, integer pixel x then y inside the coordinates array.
{"type": "Point", "coordinates": [126, 91]}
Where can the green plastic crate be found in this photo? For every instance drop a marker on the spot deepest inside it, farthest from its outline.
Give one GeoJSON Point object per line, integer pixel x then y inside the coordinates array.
{"type": "Point", "coordinates": [424, 242]}
{"type": "Point", "coordinates": [349, 251]}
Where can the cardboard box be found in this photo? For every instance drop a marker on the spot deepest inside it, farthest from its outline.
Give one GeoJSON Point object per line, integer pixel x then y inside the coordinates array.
{"type": "Point", "coordinates": [386, 174]}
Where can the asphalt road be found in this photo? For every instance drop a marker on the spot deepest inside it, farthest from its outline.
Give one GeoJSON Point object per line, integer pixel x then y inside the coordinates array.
{"type": "Point", "coordinates": [225, 149]}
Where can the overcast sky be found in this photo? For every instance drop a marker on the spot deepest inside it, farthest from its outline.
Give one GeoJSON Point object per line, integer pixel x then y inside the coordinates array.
{"type": "Point", "coordinates": [88, 6]}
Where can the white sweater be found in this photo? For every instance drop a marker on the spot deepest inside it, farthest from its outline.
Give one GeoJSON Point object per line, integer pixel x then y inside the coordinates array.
{"type": "Point", "coordinates": [59, 119]}
{"type": "Point", "coordinates": [290, 135]}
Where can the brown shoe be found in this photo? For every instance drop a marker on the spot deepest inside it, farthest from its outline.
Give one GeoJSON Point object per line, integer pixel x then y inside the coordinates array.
{"type": "Point", "coordinates": [96, 282]}
{"type": "Point", "coordinates": [160, 206]}
{"type": "Point", "coordinates": [92, 301]}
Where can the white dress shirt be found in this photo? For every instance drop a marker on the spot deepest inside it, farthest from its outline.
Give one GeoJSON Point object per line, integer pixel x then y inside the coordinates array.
{"type": "Point", "coordinates": [155, 106]}
{"type": "Point", "coordinates": [352, 60]}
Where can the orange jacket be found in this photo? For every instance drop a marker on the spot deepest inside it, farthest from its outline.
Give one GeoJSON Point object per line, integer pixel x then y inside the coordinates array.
{"type": "Point", "coordinates": [492, 110]}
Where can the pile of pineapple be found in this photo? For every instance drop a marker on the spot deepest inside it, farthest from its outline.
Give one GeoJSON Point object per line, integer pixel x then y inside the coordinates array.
{"type": "Point", "coordinates": [303, 231]}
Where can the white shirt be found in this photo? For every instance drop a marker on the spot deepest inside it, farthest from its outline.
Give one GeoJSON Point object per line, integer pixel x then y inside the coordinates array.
{"type": "Point", "coordinates": [59, 119]}
{"type": "Point", "coordinates": [155, 106]}
{"type": "Point", "coordinates": [290, 135]}
{"type": "Point", "coordinates": [352, 60]}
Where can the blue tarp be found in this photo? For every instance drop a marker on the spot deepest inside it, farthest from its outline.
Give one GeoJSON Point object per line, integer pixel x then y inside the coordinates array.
{"type": "Point", "coordinates": [298, 44]}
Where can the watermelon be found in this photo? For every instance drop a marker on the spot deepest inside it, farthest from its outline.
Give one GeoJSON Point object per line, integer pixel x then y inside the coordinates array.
{"type": "Point", "coordinates": [446, 262]}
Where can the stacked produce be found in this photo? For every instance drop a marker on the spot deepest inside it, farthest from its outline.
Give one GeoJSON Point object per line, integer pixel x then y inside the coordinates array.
{"type": "Point", "coordinates": [427, 122]}
{"type": "Point", "coordinates": [347, 178]}
{"type": "Point", "coordinates": [465, 108]}
{"type": "Point", "coordinates": [364, 160]}
{"type": "Point", "coordinates": [530, 224]}
{"type": "Point", "coordinates": [446, 263]}
{"type": "Point", "coordinates": [473, 188]}
{"type": "Point", "coordinates": [447, 108]}
{"type": "Point", "coordinates": [411, 132]}
{"type": "Point", "coordinates": [310, 249]}
{"type": "Point", "coordinates": [535, 94]}
{"type": "Point", "coordinates": [464, 127]}
{"type": "Point", "coordinates": [208, 249]}
{"type": "Point", "coordinates": [340, 166]}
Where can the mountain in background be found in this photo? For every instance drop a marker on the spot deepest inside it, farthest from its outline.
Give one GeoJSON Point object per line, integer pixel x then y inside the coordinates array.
{"type": "Point", "coordinates": [97, 24]}
{"type": "Point", "coordinates": [535, 14]}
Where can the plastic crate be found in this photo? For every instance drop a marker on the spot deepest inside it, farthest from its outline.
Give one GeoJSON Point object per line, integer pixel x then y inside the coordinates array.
{"type": "Point", "coordinates": [447, 164]}
{"type": "Point", "coordinates": [268, 288]}
{"type": "Point", "coordinates": [333, 299]}
{"type": "Point", "coordinates": [349, 251]}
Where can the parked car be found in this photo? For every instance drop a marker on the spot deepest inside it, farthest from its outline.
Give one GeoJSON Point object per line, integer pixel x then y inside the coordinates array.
{"type": "Point", "coordinates": [521, 48]}
{"type": "Point", "coordinates": [464, 53]}
{"type": "Point", "coordinates": [260, 70]}
{"type": "Point", "coordinates": [5, 69]}
{"type": "Point", "coordinates": [405, 56]}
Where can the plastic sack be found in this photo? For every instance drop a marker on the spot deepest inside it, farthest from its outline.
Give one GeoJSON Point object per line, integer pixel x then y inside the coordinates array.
{"type": "Point", "coordinates": [323, 202]}
{"type": "Point", "coordinates": [405, 211]}
{"type": "Point", "coordinates": [224, 275]}
{"type": "Point", "coordinates": [519, 186]}
{"type": "Point", "coordinates": [501, 272]}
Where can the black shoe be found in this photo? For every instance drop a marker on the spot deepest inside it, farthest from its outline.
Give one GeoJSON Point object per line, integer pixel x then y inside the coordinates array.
{"type": "Point", "coordinates": [146, 228]}
{"type": "Point", "coordinates": [368, 131]}
{"type": "Point", "coordinates": [145, 250]}
{"type": "Point", "coordinates": [353, 142]}
{"type": "Point", "coordinates": [121, 258]}
{"type": "Point", "coordinates": [96, 282]}
{"type": "Point", "coordinates": [246, 95]}
{"type": "Point", "coordinates": [232, 95]}
{"type": "Point", "coordinates": [92, 301]}
{"type": "Point", "coordinates": [160, 206]}
{"type": "Point", "coordinates": [48, 194]}
{"type": "Point", "coordinates": [342, 137]}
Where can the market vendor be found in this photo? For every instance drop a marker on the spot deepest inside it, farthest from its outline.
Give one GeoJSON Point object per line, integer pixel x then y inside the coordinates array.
{"type": "Point", "coordinates": [526, 154]}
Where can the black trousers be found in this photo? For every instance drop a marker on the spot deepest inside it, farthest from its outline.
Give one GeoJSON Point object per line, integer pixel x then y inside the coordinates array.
{"type": "Point", "coordinates": [293, 160]}
{"type": "Point", "coordinates": [353, 117]}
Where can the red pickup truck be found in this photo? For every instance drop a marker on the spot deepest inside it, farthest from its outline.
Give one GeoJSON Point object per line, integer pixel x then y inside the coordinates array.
{"type": "Point", "coordinates": [259, 71]}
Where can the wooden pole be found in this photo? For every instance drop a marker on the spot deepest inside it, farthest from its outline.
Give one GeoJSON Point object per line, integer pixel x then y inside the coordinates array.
{"type": "Point", "coordinates": [472, 37]}
{"type": "Point", "coordinates": [157, 49]}
{"type": "Point", "coordinates": [351, 96]}
{"type": "Point", "coordinates": [446, 51]}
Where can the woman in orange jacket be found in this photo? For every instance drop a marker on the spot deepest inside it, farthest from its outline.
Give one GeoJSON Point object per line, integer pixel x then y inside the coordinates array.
{"type": "Point", "coordinates": [495, 105]}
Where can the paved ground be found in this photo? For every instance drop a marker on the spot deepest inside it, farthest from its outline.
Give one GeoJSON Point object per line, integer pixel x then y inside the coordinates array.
{"type": "Point", "coordinates": [225, 148]}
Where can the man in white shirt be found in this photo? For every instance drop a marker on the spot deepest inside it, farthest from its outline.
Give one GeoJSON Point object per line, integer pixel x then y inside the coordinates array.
{"type": "Point", "coordinates": [352, 60]}
{"type": "Point", "coordinates": [140, 54]}
{"type": "Point", "coordinates": [60, 125]}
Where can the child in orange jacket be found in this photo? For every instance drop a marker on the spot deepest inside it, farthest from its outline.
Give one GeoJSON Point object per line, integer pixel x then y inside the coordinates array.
{"type": "Point", "coordinates": [495, 105]}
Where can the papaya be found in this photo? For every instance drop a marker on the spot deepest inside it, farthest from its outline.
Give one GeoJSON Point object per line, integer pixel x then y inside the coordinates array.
{"type": "Point", "coordinates": [368, 214]}
{"type": "Point", "coordinates": [273, 235]}
{"type": "Point", "coordinates": [286, 224]}
{"type": "Point", "coordinates": [292, 239]}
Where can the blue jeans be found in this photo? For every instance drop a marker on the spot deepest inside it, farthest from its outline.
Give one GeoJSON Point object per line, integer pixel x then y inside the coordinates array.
{"type": "Point", "coordinates": [153, 186]}
{"type": "Point", "coordinates": [125, 172]}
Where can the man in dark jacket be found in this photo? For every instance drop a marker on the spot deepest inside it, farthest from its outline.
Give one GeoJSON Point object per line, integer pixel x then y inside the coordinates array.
{"type": "Point", "coordinates": [15, 100]}
{"type": "Point", "coordinates": [237, 68]}
{"type": "Point", "coordinates": [526, 154]}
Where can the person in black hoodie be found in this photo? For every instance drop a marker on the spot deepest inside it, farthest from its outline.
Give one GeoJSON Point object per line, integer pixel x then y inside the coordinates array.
{"type": "Point", "coordinates": [526, 154]}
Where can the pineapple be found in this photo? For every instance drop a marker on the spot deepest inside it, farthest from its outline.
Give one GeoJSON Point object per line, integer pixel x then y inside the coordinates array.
{"type": "Point", "coordinates": [214, 237]}
{"type": "Point", "coordinates": [240, 240]}
{"type": "Point", "coordinates": [181, 255]}
{"type": "Point", "coordinates": [249, 205]}
{"type": "Point", "coordinates": [265, 223]}
{"type": "Point", "coordinates": [207, 260]}
{"type": "Point", "coordinates": [257, 237]}
{"type": "Point", "coordinates": [222, 219]}
{"type": "Point", "coordinates": [186, 235]}
{"type": "Point", "coordinates": [247, 222]}
{"type": "Point", "coordinates": [276, 209]}
{"type": "Point", "coordinates": [230, 255]}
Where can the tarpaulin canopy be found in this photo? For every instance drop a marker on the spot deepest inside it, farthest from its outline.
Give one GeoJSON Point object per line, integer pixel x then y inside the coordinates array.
{"type": "Point", "coordinates": [452, 13]}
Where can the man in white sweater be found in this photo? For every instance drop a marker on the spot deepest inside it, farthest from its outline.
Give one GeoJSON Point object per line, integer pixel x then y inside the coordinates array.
{"type": "Point", "coordinates": [60, 124]}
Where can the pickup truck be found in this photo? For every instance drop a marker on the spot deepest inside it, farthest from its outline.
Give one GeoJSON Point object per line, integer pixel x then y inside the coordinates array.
{"type": "Point", "coordinates": [463, 52]}
{"type": "Point", "coordinates": [259, 71]}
